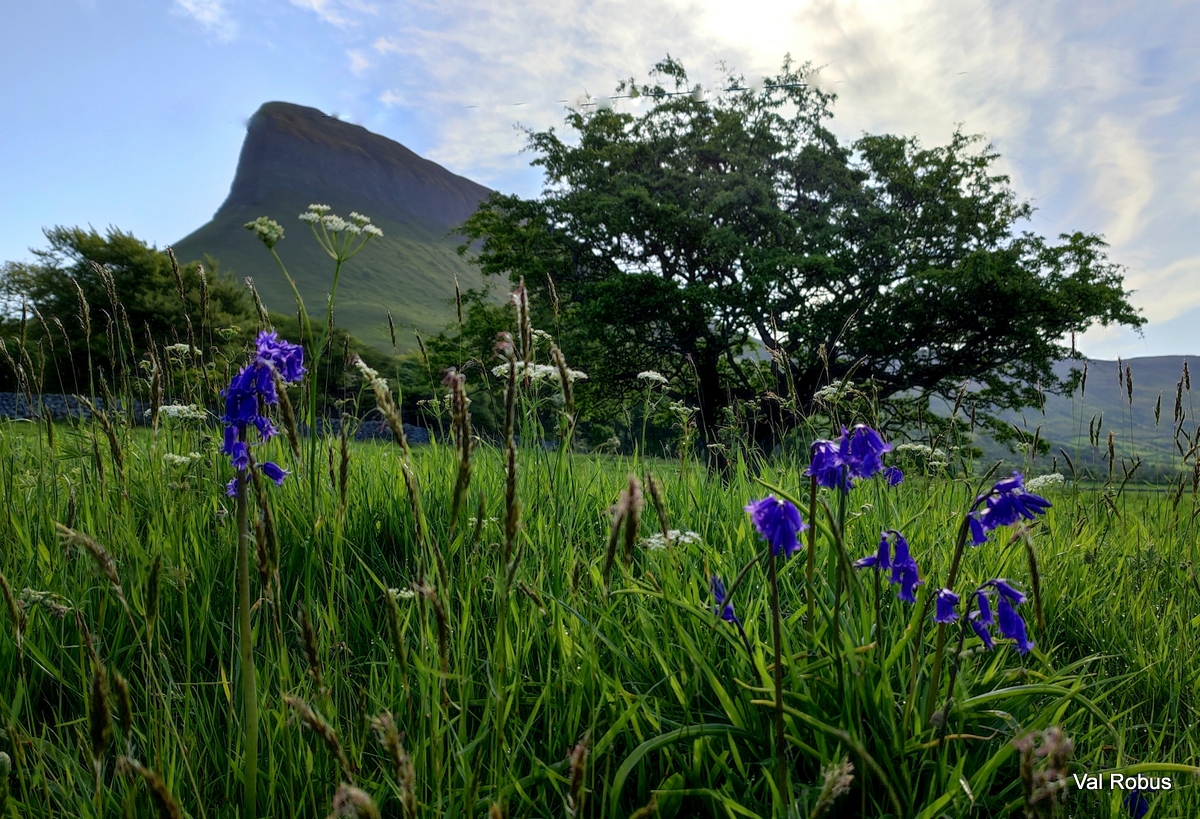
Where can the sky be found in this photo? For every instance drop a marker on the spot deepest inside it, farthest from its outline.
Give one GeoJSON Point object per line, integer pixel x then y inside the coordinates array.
{"type": "Point", "coordinates": [130, 113]}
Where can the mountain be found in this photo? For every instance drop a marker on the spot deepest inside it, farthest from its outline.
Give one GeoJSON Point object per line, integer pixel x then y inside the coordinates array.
{"type": "Point", "coordinates": [293, 156]}
{"type": "Point", "coordinates": [1107, 402]}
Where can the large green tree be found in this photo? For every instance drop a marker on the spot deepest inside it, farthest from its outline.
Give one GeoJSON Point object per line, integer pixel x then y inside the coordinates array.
{"type": "Point", "coordinates": [692, 233]}
{"type": "Point", "coordinates": [97, 299]}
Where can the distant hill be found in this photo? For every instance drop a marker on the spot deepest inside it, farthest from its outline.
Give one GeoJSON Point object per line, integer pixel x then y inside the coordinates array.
{"type": "Point", "coordinates": [1105, 403]}
{"type": "Point", "coordinates": [293, 156]}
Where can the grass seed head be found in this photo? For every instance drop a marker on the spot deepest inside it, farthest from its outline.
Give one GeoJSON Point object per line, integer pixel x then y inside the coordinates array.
{"type": "Point", "coordinates": [353, 803]}
{"type": "Point", "coordinates": [99, 714]}
{"type": "Point", "coordinates": [311, 650]}
{"type": "Point", "coordinates": [15, 612]}
{"type": "Point", "coordinates": [98, 553]}
{"type": "Point", "coordinates": [5, 769]}
{"type": "Point", "coordinates": [164, 801]}
{"type": "Point", "coordinates": [575, 791]}
{"type": "Point", "coordinates": [124, 709]}
{"type": "Point", "coordinates": [632, 503]}
{"type": "Point", "coordinates": [406, 776]}
{"type": "Point", "coordinates": [836, 781]}
{"type": "Point", "coordinates": [317, 724]}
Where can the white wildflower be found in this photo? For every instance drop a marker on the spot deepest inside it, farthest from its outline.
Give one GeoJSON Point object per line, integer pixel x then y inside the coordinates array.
{"type": "Point", "coordinates": [267, 230]}
{"type": "Point", "coordinates": [651, 375]}
{"type": "Point", "coordinates": [181, 349]}
{"type": "Point", "coordinates": [334, 223]}
{"type": "Point", "coordinates": [171, 459]}
{"type": "Point", "coordinates": [320, 210]}
{"type": "Point", "coordinates": [358, 219]}
{"type": "Point", "coordinates": [402, 594]}
{"type": "Point", "coordinates": [310, 216]}
{"type": "Point", "coordinates": [538, 372]}
{"type": "Point", "coordinates": [371, 230]}
{"type": "Point", "coordinates": [181, 412]}
{"type": "Point", "coordinates": [1044, 482]}
{"type": "Point", "coordinates": [656, 541]}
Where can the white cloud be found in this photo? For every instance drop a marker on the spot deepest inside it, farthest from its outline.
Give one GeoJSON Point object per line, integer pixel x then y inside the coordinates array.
{"type": "Point", "coordinates": [358, 61]}
{"type": "Point", "coordinates": [327, 10]}
{"type": "Point", "coordinates": [211, 14]}
{"type": "Point", "coordinates": [1093, 111]}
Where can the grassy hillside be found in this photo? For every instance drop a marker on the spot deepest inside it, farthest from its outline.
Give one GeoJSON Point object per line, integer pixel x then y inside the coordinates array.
{"type": "Point", "coordinates": [1104, 404]}
{"type": "Point", "coordinates": [410, 271]}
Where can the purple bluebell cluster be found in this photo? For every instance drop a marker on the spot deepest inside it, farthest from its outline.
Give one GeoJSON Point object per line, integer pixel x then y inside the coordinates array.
{"type": "Point", "coordinates": [1003, 505]}
{"type": "Point", "coordinates": [856, 455]}
{"type": "Point", "coordinates": [893, 554]}
{"type": "Point", "coordinates": [1005, 619]}
{"type": "Point", "coordinates": [779, 523]}
{"type": "Point", "coordinates": [250, 392]}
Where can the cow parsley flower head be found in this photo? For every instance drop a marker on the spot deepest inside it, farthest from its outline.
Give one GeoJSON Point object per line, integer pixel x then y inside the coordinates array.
{"type": "Point", "coordinates": [779, 523]}
{"type": "Point", "coordinates": [267, 230]}
{"type": "Point", "coordinates": [651, 375]}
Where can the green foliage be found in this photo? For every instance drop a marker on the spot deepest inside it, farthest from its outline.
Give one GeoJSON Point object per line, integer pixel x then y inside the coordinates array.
{"type": "Point", "coordinates": [671, 703]}
{"type": "Point", "coordinates": [140, 300]}
{"type": "Point", "coordinates": [682, 237]}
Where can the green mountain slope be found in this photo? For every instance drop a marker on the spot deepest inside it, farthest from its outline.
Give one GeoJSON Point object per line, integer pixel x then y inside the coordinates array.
{"type": "Point", "coordinates": [1105, 404]}
{"type": "Point", "coordinates": [294, 156]}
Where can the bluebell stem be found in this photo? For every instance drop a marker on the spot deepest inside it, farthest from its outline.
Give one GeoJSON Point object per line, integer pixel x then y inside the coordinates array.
{"type": "Point", "coordinates": [250, 391]}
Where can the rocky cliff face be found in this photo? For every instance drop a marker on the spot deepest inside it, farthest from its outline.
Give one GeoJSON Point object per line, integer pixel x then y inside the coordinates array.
{"type": "Point", "coordinates": [294, 149]}
{"type": "Point", "coordinates": [294, 156]}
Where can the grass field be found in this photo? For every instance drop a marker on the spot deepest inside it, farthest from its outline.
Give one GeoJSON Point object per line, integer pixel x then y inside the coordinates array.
{"type": "Point", "coordinates": [561, 693]}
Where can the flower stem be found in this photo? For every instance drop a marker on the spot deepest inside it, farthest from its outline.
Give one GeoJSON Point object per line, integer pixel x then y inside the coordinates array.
{"type": "Point", "coordinates": [936, 679]}
{"type": "Point", "coordinates": [780, 761]}
{"type": "Point", "coordinates": [811, 565]}
{"type": "Point", "coordinates": [249, 687]}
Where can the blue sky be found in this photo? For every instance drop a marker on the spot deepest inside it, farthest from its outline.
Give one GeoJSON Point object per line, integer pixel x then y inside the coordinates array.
{"type": "Point", "coordinates": [131, 112]}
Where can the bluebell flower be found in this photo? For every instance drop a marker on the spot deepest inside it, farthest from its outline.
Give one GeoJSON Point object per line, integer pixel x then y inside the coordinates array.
{"type": "Point", "coordinates": [894, 476]}
{"type": "Point", "coordinates": [904, 572]}
{"type": "Point", "coordinates": [904, 569]}
{"type": "Point", "coordinates": [1003, 505]}
{"type": "Point", "coordinates": [250, 391]}
{"type": "Point", "coordinates": [863, 449]}
{"type": "Point", "coordinates": [1006, 591]}
{"type": "Point", "coordinates": [275, 472]}
{"type": "Point", "coordinates": [285, 358]}
{"type": "Point", "coordinates": [723, 609]}
{"type": "Point", "coordinates": [880, 561]}
{"type": "Point", "coordinates": [980, 628]}
{"type": "Point", "coordinates": [945, 603]}
{"type": "Point", "coordinates": [828, 467]}
{"type": "Point", "coordinates": [779, 523]}
{"type": "Point", "coordinates": [1137, 802]}
{"type": "Point", "coordinates": [1011, 625]}
{"type": "Point", "coordinates": [1006, 620]}
{"type": "Point", "coordinates": [984, 608]}
{"type": "Point", "coordinates": [856, 455]}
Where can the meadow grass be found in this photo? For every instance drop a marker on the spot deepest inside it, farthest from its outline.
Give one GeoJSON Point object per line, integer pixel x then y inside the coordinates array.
{"type": "Point", "coordinates": [419, 676]}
